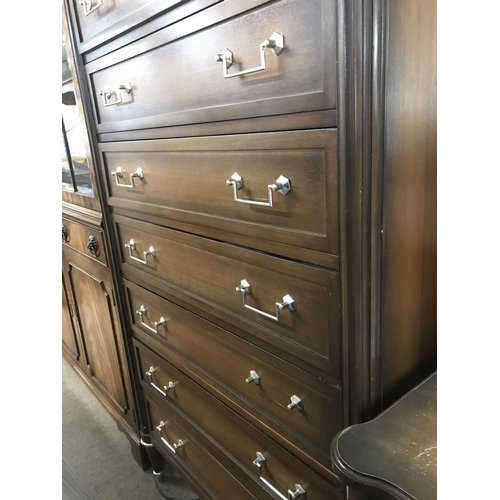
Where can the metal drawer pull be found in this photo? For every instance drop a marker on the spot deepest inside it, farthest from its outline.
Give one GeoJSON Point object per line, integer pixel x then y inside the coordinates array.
{"type": "Point", "coordinates": [88, 8]}
{"type": "Point", "coordinates": [276, 42]}
{"type": "Point", "coordinates": [169, 387]}
{"type": "Point", "coordinates": [131, 246]}
{"type": "Point", "coordinates": [288, 302]}
{"type": "Point", "coordinates": [296, 403]}
{"type": "Point", "coordinates": [282, 185]}
{"type": "Point", "coordinates": [254, 377]}
{"type": "Point", "coordinates": [93, 246]}
{"type": "Point", "coordinates": [172, 447]}
{"type": "Point", "coordinates": [118, 173]}
{"type": "Point", "coordinates": [106, 94]}
{"type": "Point", "coordinates": [299, 492]}
{"type": "Point", "coordinates": [65, 236]}
{"type": "Point", "coordinates": [162, 322]}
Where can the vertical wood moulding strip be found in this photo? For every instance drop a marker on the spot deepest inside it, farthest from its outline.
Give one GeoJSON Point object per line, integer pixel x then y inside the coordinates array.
{"type": "Point", "coordinates": [378, 116]}
{"type": "Point", "coordinates": [365, 129]}
{"type": "Point", "coordinates": [343, 106]}
{"type": "Point", "coordinates": [354, 190]}
{"type": "Point", "coordinates": [359, 208]}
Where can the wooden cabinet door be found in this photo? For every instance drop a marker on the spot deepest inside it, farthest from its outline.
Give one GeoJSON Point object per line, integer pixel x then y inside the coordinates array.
{"type": "Point", "coordinates": [69, 338]}
{"type": "Point", "coordinates": [94, 313]}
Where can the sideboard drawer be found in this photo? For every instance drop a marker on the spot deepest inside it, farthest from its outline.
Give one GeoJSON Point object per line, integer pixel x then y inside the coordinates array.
{"type": "Point", "coordinates": [177, 443]}
{"type": "Point", "coordinates": [99, 20]}
{"type": "Point", "coordinates": [316, 418]}
{"type": "Point", "coordinates": [292, 306]}
{"type": "Point", "coordinates": [172, 77]}
{"type": "Point", "coordinates": [238, 439]}
{"type": "Point", "coordinates": [86, 240]}
{"type": "Point", "coordinates": [187, 180]}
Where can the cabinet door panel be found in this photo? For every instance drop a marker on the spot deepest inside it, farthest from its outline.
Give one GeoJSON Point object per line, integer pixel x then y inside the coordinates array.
{"type": "Point", "coordinates": [70, 343]}
{"type": "Point", "coordinates": [94, 303]}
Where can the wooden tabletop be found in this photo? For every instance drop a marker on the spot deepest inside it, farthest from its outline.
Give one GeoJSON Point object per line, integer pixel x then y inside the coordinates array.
{"type": "Point", "coordinates": [396, 452]}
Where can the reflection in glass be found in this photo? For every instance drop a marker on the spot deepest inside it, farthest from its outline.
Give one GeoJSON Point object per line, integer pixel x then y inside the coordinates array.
{"type": "Point", "coordinates": [67, 178]}
{"type": "Point", "coordinates": [75, 166]}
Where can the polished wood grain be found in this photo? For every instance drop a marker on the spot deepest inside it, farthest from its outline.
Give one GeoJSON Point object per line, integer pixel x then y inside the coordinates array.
{"type": "Point", "coordinates": [111, 19]}
{"type": "Point", "coordinates": [93, 302]}
{"type": "Point", "coordinates": [213, 479]}
{"type": "Point", "coordinates": [397, 451]}
{"type": "Point", "coordinates": [296, 121]}
{"type": "Point", "coordinates": [238, 440]}
{"type": "Point", "coordinates": [320, 417]}
{"type": "Point", "coordinates": [69, 338]}
{"type": "Point", "coordinates": [368, 327]}
{"type": "Point", "coordinates": [78, 239]}
{"type": "Point", "coordinates": [93, 280]}
{"type": "Point", "coordinates": [387, 277]}
{"type": "Point", "coordinates": [409, 265]}
{"type": "Point", "coordinates": [180, 11]}
{"type": "Point", "coordinates": [207, 273]}
{"type": "Point", "coordinates": [185, 180]}
{"type": "Point", "coordinates": [301, 79]}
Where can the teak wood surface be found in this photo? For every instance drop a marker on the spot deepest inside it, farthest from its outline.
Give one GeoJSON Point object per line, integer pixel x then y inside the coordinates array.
{"type": "Point", "coordinates": [366, 321]}
{"type": "Point", "coordinates": [93, 302]}
{"type": "Point", "coordinates": [321, 415]}
{"type": "Point", "coordinates": [232, 436]}
{"type": "Point", "coordinates": [209, 478]}
{"type": "Point", "coordinates": [301, 78]}
{"type": "Point", "coordinates": [397, 451]}
{"type": "Point", "coordinates": [78, 239]}
{"type": "Point", "coordinates": [207, 273]}
{"type": "Point", "coordinates": [185, 180]}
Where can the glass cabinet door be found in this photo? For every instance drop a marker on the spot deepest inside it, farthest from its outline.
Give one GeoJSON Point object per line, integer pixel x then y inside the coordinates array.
{"type": "Point", "coordinates": [77, 179]}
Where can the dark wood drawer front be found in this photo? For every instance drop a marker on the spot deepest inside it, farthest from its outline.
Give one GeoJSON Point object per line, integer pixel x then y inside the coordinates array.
{"type": "Point", "coordinates": [86, 240]}
{"type": "Point", "coordinates": [185, 180]}
{"type": "Point", "coordinates": [247, 376]}
{"type": "Point", "coordinates": [175, 79]}
{"type": "Point", "coordinates": [207, 273]}
{"type": "Point", "coordinates": [178, 445]}
{"type": "Point", "coordinates": [239, 439]}
{"type": "Point", "coordinates": [99, 20]}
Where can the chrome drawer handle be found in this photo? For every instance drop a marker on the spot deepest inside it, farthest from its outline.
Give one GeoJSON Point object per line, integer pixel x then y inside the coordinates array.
{"type": "Point", "coordinates": [282, 185]}
{"type": "Point", "coordinates": [172, 447]}
{"type": "Point", "coordinates": [131, 246]}
{"type": "Point", "coordinates": [276, 42]}
{"type": "Point", "coordinates": [299, 492]}
{"type": "Point", "coordinates": [288, 302]}
{"type": "Point", "coordinates": [296, 402]}
{"type": "Point", "coordinates": [88, 8]}
{"type": "Point", "coordinates": [118, 173]}
{"type": "Point", "coordinates": [162, 322]}
{"type": "Point", "coordinates": [65, 236]}
{"type": "Point", "coordinates": [169, 387]}
{"type": "Point", "coordinates": [254, 377]}
{"type": "Point", "coordinates": [106, 94]}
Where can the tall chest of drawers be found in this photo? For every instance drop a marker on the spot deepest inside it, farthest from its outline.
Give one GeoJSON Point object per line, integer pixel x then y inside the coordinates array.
{"type": "Point", "coordinates": [267, 170]}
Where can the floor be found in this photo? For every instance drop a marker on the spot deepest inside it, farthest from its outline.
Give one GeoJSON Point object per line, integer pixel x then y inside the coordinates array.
{"type": "Point", "coordinates": [97, 461]}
